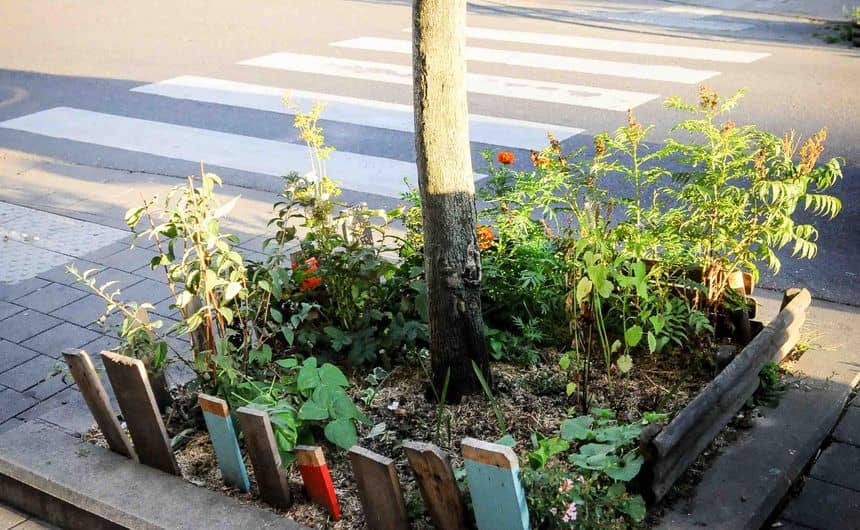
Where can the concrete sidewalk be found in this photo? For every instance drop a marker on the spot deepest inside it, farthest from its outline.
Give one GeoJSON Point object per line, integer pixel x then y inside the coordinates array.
{"type": "Point", "coordinates": [12, 519]}
{"type": "Point", "coordinates": [826, 10]}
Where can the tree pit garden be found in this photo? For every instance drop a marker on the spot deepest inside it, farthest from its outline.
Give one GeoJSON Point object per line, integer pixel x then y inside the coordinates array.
{"type": "Point", "coordinates": [608, 317]}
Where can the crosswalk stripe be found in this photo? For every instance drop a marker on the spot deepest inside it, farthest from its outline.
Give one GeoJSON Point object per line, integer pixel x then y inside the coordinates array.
{"type": "Point", "coordinates": [370, 174]}
{"type": "Point", "coordinates": [370, 113]}
{"type": "Point", "coordinates": [654, 72]}
{"type": "Point", "coordinates": [547, 91]}
{"type": "Point", "coordinates": [614, 46]}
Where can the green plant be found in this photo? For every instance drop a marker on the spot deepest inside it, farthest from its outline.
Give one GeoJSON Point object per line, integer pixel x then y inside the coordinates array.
{"type": "Point", "coordinates": [301, 399]}
{"type": "Point", "coordinates": [770, 386]}
{"type": "Point", "coordinates": [738, 200]}
{"type": "Point", "coordinates": [139, 337]}
{"type": "Point", "coordinates": [579, 478]}
{"type": "Point", "coordinates": [501, 423]}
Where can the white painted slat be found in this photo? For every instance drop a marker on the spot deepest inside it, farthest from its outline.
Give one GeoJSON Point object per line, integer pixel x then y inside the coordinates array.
{"type": "Point", "coordinates": [547, 91]}
{"type": "Point", "coordinates": [370, 113]}
{"type": "Point", "coordinates": [653, 72]}
{"type": "Point", "coordinates": [368, 174]}
{"type": "Point", "coordinates": [614, 46]}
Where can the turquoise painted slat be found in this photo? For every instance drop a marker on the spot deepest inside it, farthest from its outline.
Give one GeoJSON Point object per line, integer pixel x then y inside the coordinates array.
{"type": "Point", "coordinates": [223, 435]}
{"type": "Point", "coordinates": [498, 497]}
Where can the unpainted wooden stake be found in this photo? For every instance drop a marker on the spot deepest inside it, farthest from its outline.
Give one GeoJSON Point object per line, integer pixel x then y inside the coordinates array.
{"type": "Point", "coordinates": [379, 490]}
{"type": "Point", "coordinates": [131, 385]}
{"type": "Point", "coordinates": [317, 478]}
{"type": "Point", "coordinates": [223, 435]}
{"type": "Point", "coordinates": [82, 369]}
{"type": "Point", "coordinates": [270, 474]}
{"type": "Point", "coordinates": [438, 485]}
{"type": "Point", "coordinates": [498, 496]}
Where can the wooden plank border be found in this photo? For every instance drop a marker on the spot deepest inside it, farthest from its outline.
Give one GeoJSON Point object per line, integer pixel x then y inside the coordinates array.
{"type": "Point", "coordinates": [317, 478]}
{"type": "Point", "coordinates": [268, 471]}
{"type": "Point", "coordinates": [216, 414]}
{"type": "Point", "coordinates": [437, 484]}
{"type": "Point", "coordinates": [87, 379]}
{"type": "Point", "coordinates": [498, 497]}
{"type": "Point", "coordinates": [139, 409]}
{"type": "Point", "coordinates": [669, 452]}
{"type": "Point", "coordinates": [379, 490]}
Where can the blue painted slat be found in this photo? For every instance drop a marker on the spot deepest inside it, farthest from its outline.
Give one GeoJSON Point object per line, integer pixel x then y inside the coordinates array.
{"type": "Point", "coordinates": [498, 497]}
{"type": "Point", "coordinates": [223, 435]}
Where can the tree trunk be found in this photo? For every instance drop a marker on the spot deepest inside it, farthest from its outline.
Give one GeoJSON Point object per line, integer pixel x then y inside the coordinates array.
{"type": "Point", "coordinates": [452, 260]}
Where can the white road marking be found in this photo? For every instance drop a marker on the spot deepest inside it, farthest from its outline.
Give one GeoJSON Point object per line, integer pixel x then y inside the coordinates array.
{"type": "Point", "coordinates": [370, 113]}
{"type": "Point", "coordinates": [370, 174]}
{"type": "Point", "coordinates": [614, 46]}
{"type": "Point", "coordinates": [654, 72]}
{"type": "Point", "coordinates": [556, 93]}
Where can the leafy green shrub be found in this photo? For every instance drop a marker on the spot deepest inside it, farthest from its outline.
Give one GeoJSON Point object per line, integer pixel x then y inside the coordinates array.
{"type": "Point", "coordinates": [579, 478]}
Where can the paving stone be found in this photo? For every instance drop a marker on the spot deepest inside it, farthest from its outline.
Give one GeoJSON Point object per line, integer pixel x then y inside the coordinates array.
{"type": "Point", "coordinates": [123, 280]}
{"type": "Point", "coordinates": [55, 340]}
{"type": "Point", "coordinates": [107, 251]}
{"type": "Point", "coordinates": [145, 291]}
{"type": "Point", "coordinates": [10, 291]}
{"type": "Point", "coordinates": [50, 297]}
{"type": "Point", "coordinates": [61, 275]}
{"type": "Point", "coordinates": [163, 308]}
{"type": "Point", "coordinates": [146, 271]}
{"type": "Point", "coordinates": [838, 464]}
{"type": "Point", "coordinates": [9, 517]}
{"type": "Point", "coordinates": [848, 430]}
{"type": "Point", "coordinates": [129, 259]}
{"type": "Point", "coordinates": [11, 355]}
{"type": "Point", "coordinates": [73, 416]}
{"type": "Point", "coordinates": [59, 399]}
{"type": "Point", "coordinates": [35, 524]}
{"type": "Point", "coordinates": [25, 324]}
{"type": "Point", "coordinates": [823, 505]}
{"type": "Point", "coordinates": [103, 343]}
{"type": "Point", "coordinates": [13, 403]}
{"type": "Point", "coordinates": [82, 312]}
{"type": "Point", "coordinates": [7, 309]}
{"type": "Point", "coordinates": [31, 373]}
{"type": "Point", "coordinates": [8, 425]}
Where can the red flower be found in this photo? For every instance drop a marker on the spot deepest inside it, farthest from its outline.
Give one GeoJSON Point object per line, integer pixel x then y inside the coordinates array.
{"type": "Point", "coordinates": [506, 157]}
{"type": "Point", "coordinates": [309, 267]}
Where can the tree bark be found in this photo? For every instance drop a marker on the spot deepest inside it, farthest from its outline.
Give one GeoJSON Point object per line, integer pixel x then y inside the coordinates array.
{"type": "Point", "coordinates": [452, 260]}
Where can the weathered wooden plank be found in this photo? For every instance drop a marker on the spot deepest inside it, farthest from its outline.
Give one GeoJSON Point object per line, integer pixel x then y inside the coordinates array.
{"type": "Point", "coordinates": [131, 386]}
{"type": "Point", "coordinates": [82, 369]}
{"type": "Point", "coordinates": [678, 444]}
{"type": "Point", "coordinates": [498, 497]}
{"type": "Point", "coordinates": [317, 478]}
{"type": "Point", "coordinates": [379, 490]}
{"type": "Point", "coordinates": [216, 414]}
{"type": "Point", "coordinates": [268, 471]}
{"type": "Point", "coordinates": [438, 485]}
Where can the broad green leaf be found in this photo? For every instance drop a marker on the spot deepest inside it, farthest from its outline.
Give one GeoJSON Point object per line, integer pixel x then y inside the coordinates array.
{"type": "Point", "coordinates": [331, 375]}
{"type": "Point", "coordinates": [313, 411]}
{"type": "Point", "coordinates": [652, 343]}
{"type": "Point", "coordinates": [309, 377]}
{"type": "Point", "coordinates": [233, 289]}
{"type": "Point", "coordinates": [507, 440]}
{"type": "Point", "coordinates": [576, 428]}
{"type": "Point", "coordinates": [633, 335]}
{"type": "Point", "coordinates": [288, 363]}
{"type": "Point", "coordinates": [627, 468]}
{"type": "Point", "coordinates": [634, 507]}
{"type": "Point", "coordinates": [341, 432]}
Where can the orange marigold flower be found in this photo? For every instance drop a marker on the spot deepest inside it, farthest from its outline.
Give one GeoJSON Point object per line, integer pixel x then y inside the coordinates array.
{"type": "Point", "coordinates": [311, 268]}
{"type": "Point", "coordinates": [505, 157]}
{"type": "Point", "coordinates": [485, 237]}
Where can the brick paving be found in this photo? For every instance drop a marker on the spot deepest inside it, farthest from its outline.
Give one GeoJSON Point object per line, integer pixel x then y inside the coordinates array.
{"type": "Point", "coordinates": [830, 498]}
{"type": "Point", "coordinates": [44, 315]}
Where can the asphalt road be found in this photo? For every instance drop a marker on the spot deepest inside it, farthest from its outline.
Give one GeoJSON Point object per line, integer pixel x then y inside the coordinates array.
{"type": "Point", "coordinates": [158, 86]}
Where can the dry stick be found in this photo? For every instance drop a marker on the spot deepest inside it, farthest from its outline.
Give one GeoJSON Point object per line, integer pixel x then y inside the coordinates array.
{"type": "Point", "coordinates": [140, 411]}
{"type": "Point", "coordinates": [81, 367]}
{"type": "Point", "coordinates": [438, 485]}
{"type": "Point", "coordinates": [379, 490]}
{"type": "Point", "coordinates": [270, 474]}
